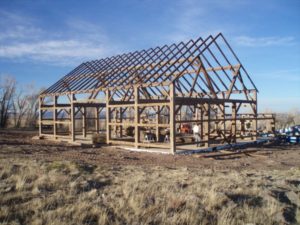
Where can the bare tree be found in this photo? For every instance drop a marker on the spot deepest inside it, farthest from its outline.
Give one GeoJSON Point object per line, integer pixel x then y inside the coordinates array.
{"type": "Point", "coordinates": [7, 90]}
{"type": "Point", "coordinates": [33, 106]}
{"type": "Point", "coordinates": [20, 107]}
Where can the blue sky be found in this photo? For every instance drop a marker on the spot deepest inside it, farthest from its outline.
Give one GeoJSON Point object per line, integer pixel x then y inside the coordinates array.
{"type": "Point", "coordinates": [40, 41]}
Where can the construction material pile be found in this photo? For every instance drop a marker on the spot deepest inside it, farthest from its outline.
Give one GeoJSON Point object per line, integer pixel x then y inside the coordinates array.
{"type": "Point", "coordinates": [290, 134]}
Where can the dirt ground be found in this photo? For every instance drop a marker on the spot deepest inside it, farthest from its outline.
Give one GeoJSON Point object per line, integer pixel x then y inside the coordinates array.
{"type": "Point", "coordinates": [19, 144]}
{"type": "Point", "coordinates": [43, 182]}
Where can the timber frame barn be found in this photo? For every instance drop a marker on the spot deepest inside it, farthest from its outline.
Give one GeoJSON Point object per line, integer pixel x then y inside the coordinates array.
{"type": "Point", "coordinates": [156, 91]}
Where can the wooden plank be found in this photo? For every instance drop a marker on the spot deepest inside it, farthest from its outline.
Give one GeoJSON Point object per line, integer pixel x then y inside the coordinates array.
{"type": "Point", "coordinates": [213, 155]}
{"type": "Point", "coordinates": [122, 142]}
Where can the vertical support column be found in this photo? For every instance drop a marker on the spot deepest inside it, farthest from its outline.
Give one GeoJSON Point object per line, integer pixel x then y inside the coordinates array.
{"type": "Point", "coordinates": [72, 114]}
{"type": "Point", "coordinates": [108, 119]}
{"type": "Point", "coordinates": [97, 119]}
{"type": "Point", "coordinates": [201, 121]}
{"type": "Point", "coordinates": [180, 113]}
{"type": "Point", "coordinates": [136, 116]}
{"type": "Point", "coordinates": [197, 112]}
{"type": "Point", "coordinates": [121, 121]}
{"type": "Point", "coordinates": [223, 116]}
{"type": "Point", "coordinates": [54, 116]}
{"type": "Point", "coordinates": [40, 116]}
{"type": "Point", "coordinates": [233, 123]}
{"type": "Point", "coordinates": [172, 119]}
{"type": "Point", "coordinates": [242, 128]}
{"type": "Point", "coordinates": [254, 121]}
{"type": "Point", "coordinates": [84, 121]}
{"type": "Point", "coordinates": [115, 120]}
{"type": "Point", "coordinates": [206, 124]}
{"type": "Point", "coordinates": [157, 122]}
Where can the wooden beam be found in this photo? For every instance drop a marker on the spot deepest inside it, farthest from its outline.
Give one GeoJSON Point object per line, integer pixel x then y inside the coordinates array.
{"type": "Point", "coordinates": [162, 125]}
{"type": "Point", "coordinates": [40, 116]}
{"type": "Point", "coordinates": [233, 123]}
{"type": "Point", "coordinates": [193, 101]}
{"type": "Point", "coordinates": [96, 110]}
{"type": "Point", "coordinates": [157, 121]}
{"type": "Point", "coordinates": [108, 119]}
{"type": "Point", "coordinates": [254, 122]}
{"type": "Point", "coordinates": [172, 119]}
{"type": "Point", "coordinates": [206, 124]}
{"type": "Point", "coordinates": [84, 124]}
{"type": "Point", "coordinates": [136, 116]}
{"type": "Point", "coordinates": [54, 116]}
{"type": "Point", "coordinates": [72, 115]}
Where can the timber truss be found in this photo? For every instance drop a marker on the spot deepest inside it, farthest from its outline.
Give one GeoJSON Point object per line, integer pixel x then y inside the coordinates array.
{"type": "Point", "coordinates": [145, 98]}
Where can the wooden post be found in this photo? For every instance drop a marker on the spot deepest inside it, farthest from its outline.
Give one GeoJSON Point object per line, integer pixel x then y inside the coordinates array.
{"type": "Point", "coordinates": [206, 124]}
{"type": "Point", "coordinates": [136, 116]}
{"type": "Point", "coordinates": [114, 119]}
{"type": "Point", "coordinates": [40, 116]}
{"type": "Point", "coordinates": [242, 128]}
{"type": "Point", "coordinates": [172, 119]}
{"type": "Point", "coordinates": [254, 121]}
{"type": "Point", "coordinates": [97, 119]}
{"type": "Point", "coordinates": [108, 119]}
{"type": "Point", "coordinates": [224, 118]}
{"type": "Point", "coordinates": [54, 116]}
{"type": "Point", "coordinates": [157, 122]}
{"type": "Point", "coordinates": [84, 122]}
{"type": "Point", "coordinates": [197, 112]}
{"type": "Point", "coordinates": [223, 115]}
{"type": "Point", "coordinates": [72, 114]}
{"type": "Point", "coordinates": [233, 123]}
{"type": "Point", "coordinates": [121, 121]}
{"type": "Point", "coordinates": [202, 124]}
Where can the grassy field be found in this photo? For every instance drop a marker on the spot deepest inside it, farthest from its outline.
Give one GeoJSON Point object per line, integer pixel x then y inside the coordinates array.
{"type": "Point", "coordinates": [67, 192]}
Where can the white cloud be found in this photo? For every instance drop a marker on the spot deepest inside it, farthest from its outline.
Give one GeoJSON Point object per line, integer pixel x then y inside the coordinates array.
{"type": "Point", "coordinates": [264, 41]}
{"type": "Point", "coordinates": [21, 39]}
{"type": "Point", "coordinates": [191, 19]}
{"type": "Point", "coordinates": [54, 51]}
{"type": "Point", "coordinates": [194, 18]}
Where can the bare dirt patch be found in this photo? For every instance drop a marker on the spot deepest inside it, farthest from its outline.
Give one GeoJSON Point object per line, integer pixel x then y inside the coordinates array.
{"type": "Point", "coordinates": [20, 144]}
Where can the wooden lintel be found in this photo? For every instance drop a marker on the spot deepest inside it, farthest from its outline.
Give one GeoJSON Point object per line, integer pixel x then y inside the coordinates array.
{"type": "Point", "coordinates": [193, 101]}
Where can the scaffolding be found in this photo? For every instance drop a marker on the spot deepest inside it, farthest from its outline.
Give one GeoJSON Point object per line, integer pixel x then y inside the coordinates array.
{"type": "Point", "coordinates": [144, 98]}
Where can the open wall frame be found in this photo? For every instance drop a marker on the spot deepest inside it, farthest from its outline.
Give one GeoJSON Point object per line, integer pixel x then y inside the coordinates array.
{"type": "Point", "coordinates": [144, 99]}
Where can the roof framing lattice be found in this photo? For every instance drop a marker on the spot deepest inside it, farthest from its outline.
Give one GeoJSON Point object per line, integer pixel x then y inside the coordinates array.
{"type": "Point", "coordinates": [160, 66]}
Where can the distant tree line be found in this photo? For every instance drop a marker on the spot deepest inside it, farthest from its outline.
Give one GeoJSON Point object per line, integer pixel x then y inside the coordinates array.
{"type": "Point", "coordinates": [18, 104]}
{"type": "Point", "coordinates": [291, 118]}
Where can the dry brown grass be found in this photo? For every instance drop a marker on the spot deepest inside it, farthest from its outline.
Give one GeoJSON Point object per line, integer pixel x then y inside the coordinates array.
{"type": "Point", "coordinates": [64, 192]}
